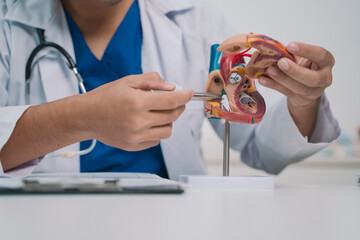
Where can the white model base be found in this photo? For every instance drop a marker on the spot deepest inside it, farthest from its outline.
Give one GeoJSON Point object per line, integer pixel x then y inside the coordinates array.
{"type": "Point", "coordinates": [215, 182]}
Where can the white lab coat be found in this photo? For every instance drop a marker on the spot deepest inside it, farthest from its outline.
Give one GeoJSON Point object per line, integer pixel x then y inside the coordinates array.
{"type": "Point", "coordinates": [177, 36]}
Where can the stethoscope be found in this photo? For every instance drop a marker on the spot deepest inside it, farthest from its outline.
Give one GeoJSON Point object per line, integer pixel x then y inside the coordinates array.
{"type": "Point", "coordinates": [72, 65]}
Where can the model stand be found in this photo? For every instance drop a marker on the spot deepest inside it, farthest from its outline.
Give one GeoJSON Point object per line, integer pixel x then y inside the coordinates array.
{"type": "Point", "coordinates": [226, 154]}
{"type": "Point", "coordinates": [233, 78]}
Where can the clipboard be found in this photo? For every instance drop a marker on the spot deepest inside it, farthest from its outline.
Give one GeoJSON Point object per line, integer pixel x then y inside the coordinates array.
{"type": "Point", "coordinates": [90, 183]}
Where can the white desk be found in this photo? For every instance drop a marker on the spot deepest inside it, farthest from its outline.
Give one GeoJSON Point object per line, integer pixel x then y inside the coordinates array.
{"type": "Point", "coordinates": [291, 211]}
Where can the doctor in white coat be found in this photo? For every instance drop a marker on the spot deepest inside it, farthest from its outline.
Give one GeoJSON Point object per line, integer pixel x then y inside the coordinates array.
{"type": "Point", "coordinates": [177, 36]}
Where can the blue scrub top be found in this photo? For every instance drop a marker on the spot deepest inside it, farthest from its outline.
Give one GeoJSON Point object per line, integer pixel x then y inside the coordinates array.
{"type": "Point", "coordinates": [121, 58]}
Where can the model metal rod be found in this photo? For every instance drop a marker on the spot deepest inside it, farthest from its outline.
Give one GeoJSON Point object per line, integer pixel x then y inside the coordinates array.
{"type": "Point", "coordinates": [204, 96]}
{"type": "Point", "coordinates": [226, 154]}
{"type": "Point", "coordinates": [198, 96]}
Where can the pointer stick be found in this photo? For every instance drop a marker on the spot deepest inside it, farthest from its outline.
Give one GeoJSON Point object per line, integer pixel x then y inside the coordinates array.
{"type": "Point", "coordinates": [226, 149]}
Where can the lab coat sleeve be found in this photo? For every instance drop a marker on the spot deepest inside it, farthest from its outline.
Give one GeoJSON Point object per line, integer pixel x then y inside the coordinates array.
{"type": "Point", "coordinates": [9, 115]}
{"type": "Point", "coordinates": [276, 141]}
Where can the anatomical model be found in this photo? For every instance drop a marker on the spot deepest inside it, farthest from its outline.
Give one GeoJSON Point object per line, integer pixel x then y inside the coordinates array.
{"type": "Point", "coordinates": [233, 79]}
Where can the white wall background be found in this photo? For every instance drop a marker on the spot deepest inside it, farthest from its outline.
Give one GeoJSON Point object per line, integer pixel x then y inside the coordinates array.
{"type": "Point", "coordinates": [332, 24]}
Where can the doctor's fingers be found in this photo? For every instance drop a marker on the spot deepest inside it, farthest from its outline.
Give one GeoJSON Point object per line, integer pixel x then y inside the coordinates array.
{"type": "Point", "coordinates": [149, 81]}
{"type": "Point", "coordinates": [306, 76]}
{"type": "Point", "coordinates": [294, 85]}
{"type": "Point", "coordinates": [162, 117]}
{"type": "Point", "coordinates": [319, 55]}
{"type": "Point", "coordinates": [167, 100]}
{"type": "Point", "coordinates": [157, 133]}
{"type": "Point", "coordinates": [139, 146]}
{"type": "Point", "coordinates": [296, 99]}
{"type": "Point", "coordinates": [147, 136]}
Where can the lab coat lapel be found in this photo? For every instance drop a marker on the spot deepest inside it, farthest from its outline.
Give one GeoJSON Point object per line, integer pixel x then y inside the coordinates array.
{"type": "Point", "coordinates": [162, 52]}
{"type": "Point", "coordinates": [48, 15]}
{"type": "Point", "coordinates": [34, 13]}
{"type": "Point", "coordinates": [64, 83]}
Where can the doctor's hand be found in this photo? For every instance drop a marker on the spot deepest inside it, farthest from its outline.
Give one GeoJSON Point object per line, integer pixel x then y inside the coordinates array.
{"type": "Point", "coordinates": [127, 115]}
{"type": "Point", "coordinates": [122, 114]}
{"type": "Point", "coordinates": [302, 82]}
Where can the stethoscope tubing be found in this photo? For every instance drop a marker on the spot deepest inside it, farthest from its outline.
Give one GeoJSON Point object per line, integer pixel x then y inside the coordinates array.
{"type": "Point", "coordinates": [72, 65]}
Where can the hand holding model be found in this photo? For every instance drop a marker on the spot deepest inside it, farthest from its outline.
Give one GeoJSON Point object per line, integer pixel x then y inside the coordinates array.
{"type": "Point", "coordinates": [302, 79]}
{"type": "Point", "coordinates": [303, 82]}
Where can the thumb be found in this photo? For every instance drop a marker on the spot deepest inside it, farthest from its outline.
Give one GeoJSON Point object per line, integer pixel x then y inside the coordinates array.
{"type": "Point", "coordinates": [151, 81]}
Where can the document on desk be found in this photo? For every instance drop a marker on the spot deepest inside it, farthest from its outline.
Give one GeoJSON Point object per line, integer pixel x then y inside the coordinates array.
{"type": "Point", "coordinates": [89, 183]}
